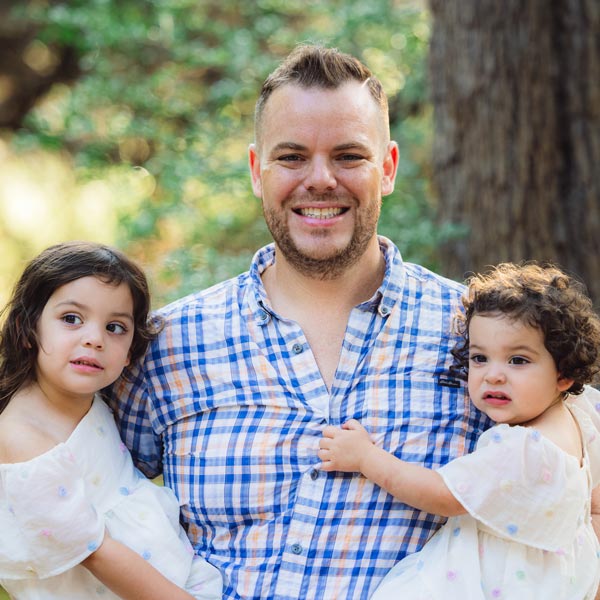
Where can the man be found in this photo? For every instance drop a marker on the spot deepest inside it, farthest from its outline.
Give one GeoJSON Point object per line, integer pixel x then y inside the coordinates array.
{"type": "Point", "coordinates": [328, 324]}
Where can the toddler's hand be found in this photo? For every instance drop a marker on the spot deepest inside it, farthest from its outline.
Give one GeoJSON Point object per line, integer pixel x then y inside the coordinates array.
{"type": "Point", "coordinates": [344, 449]}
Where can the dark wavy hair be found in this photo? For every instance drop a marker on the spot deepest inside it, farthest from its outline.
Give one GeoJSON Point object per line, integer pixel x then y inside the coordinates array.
{"type": "Point", "coordinates": [544, 297]}
{"type": "Point", "coordinates": [54, 267]}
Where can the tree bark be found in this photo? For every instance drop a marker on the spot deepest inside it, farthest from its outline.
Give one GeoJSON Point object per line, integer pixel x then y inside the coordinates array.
{"type": "Point", "coordinates": [516, 94]}
{"type": "Point", "coordinates": [27, 72]}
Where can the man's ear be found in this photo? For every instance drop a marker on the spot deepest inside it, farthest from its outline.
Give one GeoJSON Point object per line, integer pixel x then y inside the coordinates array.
{"type": "Point", "coordinates": [390, 167]}
{"type": "Point", "coordinates": [254, 163]}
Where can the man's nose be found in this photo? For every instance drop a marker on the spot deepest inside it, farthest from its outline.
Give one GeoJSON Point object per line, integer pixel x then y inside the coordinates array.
{"type": "Point", "coordinates": [320, 176]}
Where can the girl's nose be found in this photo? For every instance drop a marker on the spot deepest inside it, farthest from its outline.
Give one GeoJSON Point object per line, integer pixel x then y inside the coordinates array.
{"type": "Point", "coordinates": [93, 337]}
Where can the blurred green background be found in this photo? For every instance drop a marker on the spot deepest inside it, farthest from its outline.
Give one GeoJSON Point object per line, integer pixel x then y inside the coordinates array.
{"type": "Point", "coordinates": [141, 140]}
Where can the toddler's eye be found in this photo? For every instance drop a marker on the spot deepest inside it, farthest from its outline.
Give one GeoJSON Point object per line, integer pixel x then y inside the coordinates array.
{"type": "Point", "coordinates": [519, 360]}
{"type": "Point", "coordinates": [478, 358]}
{"type": "Point", "coordinates": [116, 328]}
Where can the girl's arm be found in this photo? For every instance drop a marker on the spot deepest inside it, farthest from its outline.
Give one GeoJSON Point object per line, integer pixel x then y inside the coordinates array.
{"type": "Point", "coordinates": [351, 449]}
{"type": "Point", "coordinates": [128, 575]}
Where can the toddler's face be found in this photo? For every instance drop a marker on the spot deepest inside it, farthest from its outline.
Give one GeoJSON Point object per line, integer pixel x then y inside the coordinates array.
{"type": "Point", "coordinates": [512, 376]}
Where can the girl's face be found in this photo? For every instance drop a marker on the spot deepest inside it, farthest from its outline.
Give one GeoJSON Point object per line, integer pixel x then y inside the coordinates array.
{"type": "Point", "coordinates": [84, 336]}
{"type": "Point", "coordinates": [512, 376]}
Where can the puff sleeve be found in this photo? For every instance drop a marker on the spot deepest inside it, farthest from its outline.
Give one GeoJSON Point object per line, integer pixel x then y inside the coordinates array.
{"type": "Point", "coordinates": [521, 486]}
{"type": "Point", "coordinates": [47, 523]}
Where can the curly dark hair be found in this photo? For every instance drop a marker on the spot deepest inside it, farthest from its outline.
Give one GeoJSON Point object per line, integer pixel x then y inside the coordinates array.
{"type": "Point", "coordinates": [545, 297]}
{"type": "Point", "coordinates": [54, 267]}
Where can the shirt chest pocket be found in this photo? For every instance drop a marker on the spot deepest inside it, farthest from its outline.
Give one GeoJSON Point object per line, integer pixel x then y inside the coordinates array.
{"type": "Point", "coordinates": [426, 419]}
{"type": "Point", "coordinates": [240, 462]}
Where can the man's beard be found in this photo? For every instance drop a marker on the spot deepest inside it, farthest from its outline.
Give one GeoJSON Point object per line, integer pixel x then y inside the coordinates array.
{"type": "Point", "coordinates": [330, 266]}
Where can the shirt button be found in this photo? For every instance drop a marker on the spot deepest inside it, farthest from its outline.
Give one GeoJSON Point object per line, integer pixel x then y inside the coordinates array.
{"type": "Point", "coordinates": [314, 474]}
{"type": "Point", "coordinates": [263, 316]}
{"type": "Point", "coordinates": [297, 348]}
{"type": "Point", "coordinates": [384, 311]}
{"type": "Point", "coordinates": [297, 549]}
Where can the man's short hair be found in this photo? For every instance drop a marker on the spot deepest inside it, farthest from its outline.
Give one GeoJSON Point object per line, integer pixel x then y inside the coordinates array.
{"type": "Point", "coordinates": [316, 66]}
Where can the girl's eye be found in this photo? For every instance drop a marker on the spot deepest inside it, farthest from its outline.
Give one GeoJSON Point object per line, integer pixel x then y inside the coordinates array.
{"type": "Point", "coordinates": [518, 360]}
{"type": "Point", "coordinates": [72, 319]}
{"type": "Point", "coordinates": [478, 358]}
{"type": "Point", "coordinates": [116, 328]}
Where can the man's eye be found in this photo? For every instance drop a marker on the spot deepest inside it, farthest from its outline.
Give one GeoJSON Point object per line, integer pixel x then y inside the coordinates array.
{"type": "Point", "coordinates": [116, 328]}
{"type": "Point", "coordinates": [350, 157]}
{"type": "Point", "coordinates": [289, 158]}
{"type": "Point", "coordinates": [72, 319]}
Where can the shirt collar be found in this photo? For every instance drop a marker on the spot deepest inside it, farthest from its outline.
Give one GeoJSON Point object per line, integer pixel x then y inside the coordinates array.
{"type": "Point", "coordinates": [383, 300]}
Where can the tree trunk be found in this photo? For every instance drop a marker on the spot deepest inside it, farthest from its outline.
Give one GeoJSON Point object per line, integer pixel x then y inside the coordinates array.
{"type": "Point", "coordinates": [28, 70]}
{"type": "Point", "coordinates": [516, 93]}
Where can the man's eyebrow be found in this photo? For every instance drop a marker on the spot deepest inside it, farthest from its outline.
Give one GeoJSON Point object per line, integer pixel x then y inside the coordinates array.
{"type": "Point", "coordinates": [351, 146]}
{"type": "Point", "coordinates": [288, 146]}
{"type": "Point", "coordinates": [299, 147]}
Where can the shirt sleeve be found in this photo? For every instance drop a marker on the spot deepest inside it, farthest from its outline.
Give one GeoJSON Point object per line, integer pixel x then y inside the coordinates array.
{"type": "Point", "coordinates": [521, 486]}
{"type": "Point", "coordinates": [131, 403]}
{"type": "Point", "coordinates": [48, 524]}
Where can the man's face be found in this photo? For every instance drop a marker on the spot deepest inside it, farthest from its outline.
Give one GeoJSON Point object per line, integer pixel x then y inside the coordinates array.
{"type": "Point", "coordinates": [323, 163]}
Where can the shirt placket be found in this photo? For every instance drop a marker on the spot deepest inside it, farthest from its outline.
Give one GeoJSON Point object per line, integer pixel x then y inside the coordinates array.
{"type": "Point", "coordinates": [297, 557]}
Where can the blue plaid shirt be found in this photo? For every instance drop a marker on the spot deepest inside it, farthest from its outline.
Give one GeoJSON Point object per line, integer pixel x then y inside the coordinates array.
{"type": "Point", "coordinates": [229, 404]}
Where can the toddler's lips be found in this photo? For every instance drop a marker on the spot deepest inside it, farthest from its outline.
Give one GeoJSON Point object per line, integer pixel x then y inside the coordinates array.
{"type": "Point", "coordinates": [496, 398]}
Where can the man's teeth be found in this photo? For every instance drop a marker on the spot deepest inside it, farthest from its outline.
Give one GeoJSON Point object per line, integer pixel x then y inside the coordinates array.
{"type": "Point", "coordinates": [320, 213]}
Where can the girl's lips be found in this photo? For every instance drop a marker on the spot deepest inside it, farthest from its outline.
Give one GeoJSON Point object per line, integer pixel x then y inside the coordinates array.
{"type": "Point", "coordinates": [86, 365]}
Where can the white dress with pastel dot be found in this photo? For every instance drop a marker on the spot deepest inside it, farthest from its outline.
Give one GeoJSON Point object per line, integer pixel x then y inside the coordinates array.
{"type": "Point", "coordinates": [528, 531]}
{"type": "Point", "coordinates": [55, 509]}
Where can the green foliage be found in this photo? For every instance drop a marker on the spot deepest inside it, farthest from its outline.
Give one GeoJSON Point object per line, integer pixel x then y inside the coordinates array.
{"type": "Point", "coordinates": [164, 110]}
